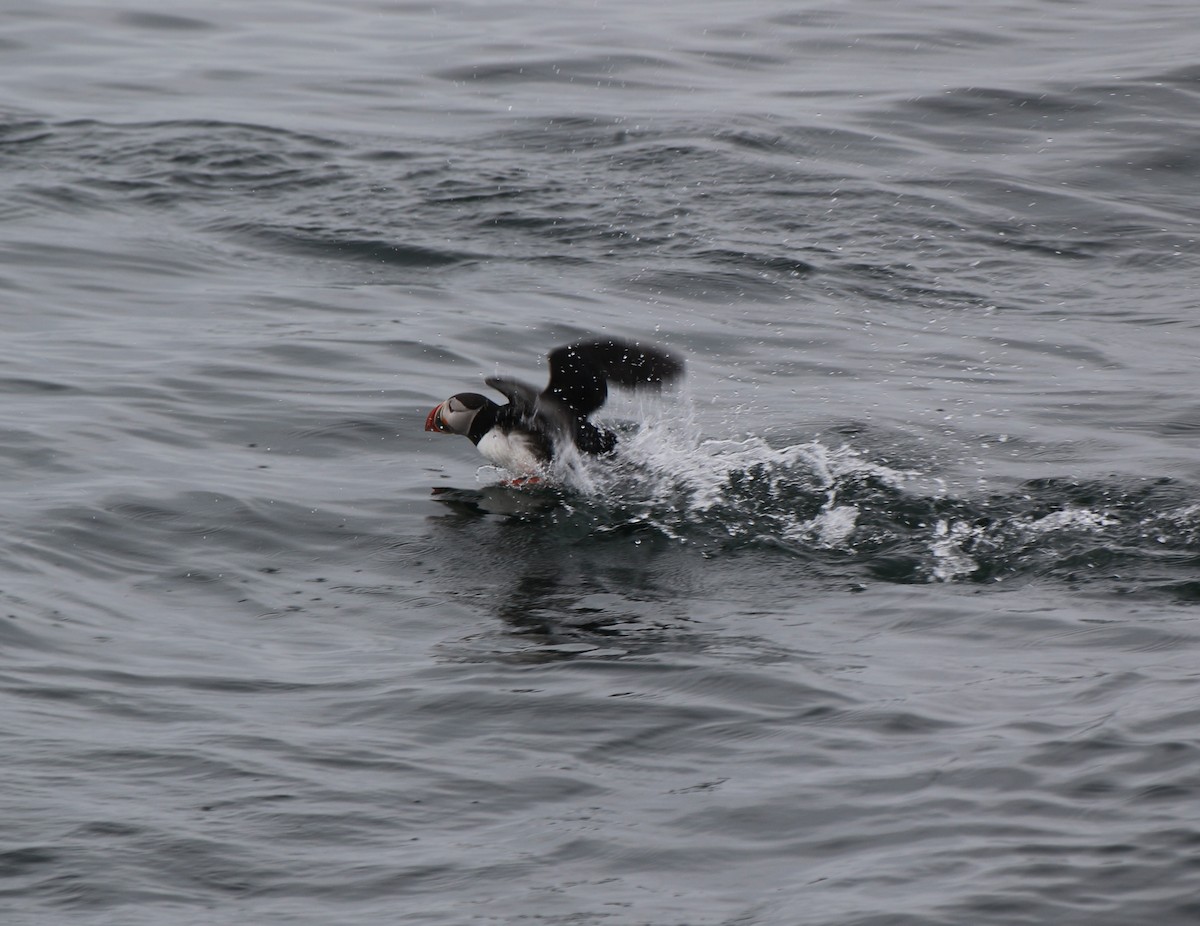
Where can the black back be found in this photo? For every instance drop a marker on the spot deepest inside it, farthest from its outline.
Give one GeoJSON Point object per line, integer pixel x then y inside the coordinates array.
{"type": "Point", "coordinates": [579, 378]}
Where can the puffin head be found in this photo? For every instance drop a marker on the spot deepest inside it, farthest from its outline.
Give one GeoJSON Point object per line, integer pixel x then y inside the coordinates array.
{"type": "Point", "coordinates": [456, 414]}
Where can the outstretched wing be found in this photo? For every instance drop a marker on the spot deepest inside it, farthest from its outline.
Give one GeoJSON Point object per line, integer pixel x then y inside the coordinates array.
{"type": "Point", "coordinates": [580, 372]}
{"type": "Point", "coordinates": [525, 404]}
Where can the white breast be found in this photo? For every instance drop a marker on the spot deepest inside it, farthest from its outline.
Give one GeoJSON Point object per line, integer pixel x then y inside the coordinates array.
{"type": "Point", "coordinates": [513, 451]}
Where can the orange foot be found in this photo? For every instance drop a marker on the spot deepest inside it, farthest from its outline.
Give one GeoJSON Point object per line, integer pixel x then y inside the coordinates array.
{"type": "Point", "coordinates": [522, 481]}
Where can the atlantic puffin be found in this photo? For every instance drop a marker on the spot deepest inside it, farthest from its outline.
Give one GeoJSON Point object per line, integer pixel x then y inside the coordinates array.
{"type": "Point", "coordinates": [524, 436]}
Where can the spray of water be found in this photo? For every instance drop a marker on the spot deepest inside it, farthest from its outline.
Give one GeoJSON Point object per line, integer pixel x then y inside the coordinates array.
{"type": "Point", "coordinates": [835, 501]}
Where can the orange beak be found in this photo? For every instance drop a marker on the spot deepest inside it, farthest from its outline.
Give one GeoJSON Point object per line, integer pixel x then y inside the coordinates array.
{"type": "Point", "coordinates": [433, 422]}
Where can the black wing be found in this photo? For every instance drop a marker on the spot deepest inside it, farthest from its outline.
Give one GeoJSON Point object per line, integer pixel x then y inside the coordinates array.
{"type": "Point", "coordinates": [580, 372]}
{"type": "Point", "coordinates": [525, 404]}
{"type": "Point", "coordinates": [521, 396]}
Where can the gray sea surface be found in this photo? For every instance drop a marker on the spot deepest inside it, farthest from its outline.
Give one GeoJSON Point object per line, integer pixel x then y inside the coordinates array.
{"type": "Point", "coordinates": [888, 616]}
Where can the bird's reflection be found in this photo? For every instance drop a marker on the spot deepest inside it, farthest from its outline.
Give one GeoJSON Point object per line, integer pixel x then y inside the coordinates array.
{"type": "Point", "coordinates": [557, 569]}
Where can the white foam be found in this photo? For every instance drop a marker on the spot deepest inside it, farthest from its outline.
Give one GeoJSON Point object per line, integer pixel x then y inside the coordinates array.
{"type": "Point", "coordinates": [667, 473]}
{"type": "Point", "coordinates": [950, 561]}
{"type": "Point", "coordinates": [1070, 519]}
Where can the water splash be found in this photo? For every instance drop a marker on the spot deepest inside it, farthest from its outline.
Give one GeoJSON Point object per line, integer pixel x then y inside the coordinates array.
{"type": "Point", "coordinates": [835, 504]}
{"type": "Point", "coordinates": [668, 476]}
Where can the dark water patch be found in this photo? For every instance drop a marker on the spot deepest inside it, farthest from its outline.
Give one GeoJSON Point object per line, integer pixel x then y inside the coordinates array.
{"type": "Point", "coordinates": [1187, 76]}
{"type": "Point", "coordinates": [17, 386]}
{"type": "Point", "coordinates": [569, 133]}
{"type": "Point", "coordinates": [385, 155]}
{"type": "Point", "coordinates": [602, 70]}
{"type": "Point", "coordinates": [16, 131]}
{"type": "Point", "coordinates": [997, 104]}
{"type": "Point", "coordinates": [711, 287]}
{"type": "Point", "coordinates": [334, 244]}
{"type": "Point", "coordinates": [765, 264]}
{"type": "Point", "coordinates": [1055, 248]}
{"type": "Point", "coordinates": [15, 863]}
{"type": "Point", "coordinates": [146, 20]}
{"type": "Point", "coordinates": [758, 140]}
{"type": "Point", "coordinates": [1179, 158]}
{"type": "Point", "coordinates": [736, 60]}
{"type": "Point", "coordinates": [29, 199]}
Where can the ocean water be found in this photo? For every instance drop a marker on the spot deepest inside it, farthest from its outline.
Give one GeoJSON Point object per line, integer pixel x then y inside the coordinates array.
{"type": "Point", "coordinates": [888, 616]}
